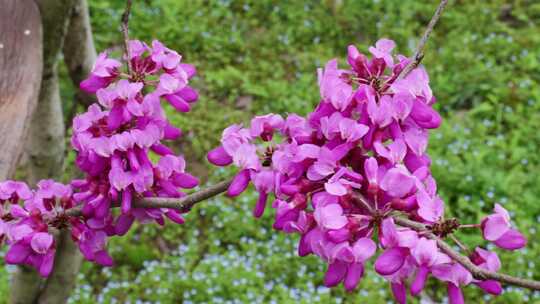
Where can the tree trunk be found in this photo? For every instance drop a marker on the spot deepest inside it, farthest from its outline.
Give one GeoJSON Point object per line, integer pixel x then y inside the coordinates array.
{"type": "Point", "coordinates": [20, 26]}
{"type": "Point", "coordinates": [45, 145]}
{"type": "Point", "coordinates": [63, 278]}
{"type": "Point", "coordinates": [79, 51]}
{"type": "Point", "coordinates": [79, 56]}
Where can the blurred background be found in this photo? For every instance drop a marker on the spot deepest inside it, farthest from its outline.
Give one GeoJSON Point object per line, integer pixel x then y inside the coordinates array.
{"type": "Point", "coordinates": [255, 57]}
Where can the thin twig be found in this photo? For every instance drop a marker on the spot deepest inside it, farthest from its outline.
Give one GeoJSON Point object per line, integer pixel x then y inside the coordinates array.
{"type": "Point", "coordinates": [125, 32]}
{"type": "Point", "coordinates": [183, 204]}
{"type": "Point", "coordinates": [419, 53]}
{"type": "Point", "coordinates": [469, 226]}
{"type": "Point", "coordinates": [186, 203]}
{"type": "Point", "coordinates": [477, 272]}
{"type": "Point", "coordinates": [460, 244]}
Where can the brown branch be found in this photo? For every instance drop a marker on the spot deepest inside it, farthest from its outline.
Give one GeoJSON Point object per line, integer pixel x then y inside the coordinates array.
{"type": "Point", "coordinates": [125, 32]}
{"type": "Point", "coordinates": [419, 53]}
{"type": "Point", "coordinates": [461, 246]}
{"type": "Point", "coordinates": [186, 203]}
{"type": "Point", "coordinates": [182, 204]}
{"type": "Point", "coordinates": [477, 272]}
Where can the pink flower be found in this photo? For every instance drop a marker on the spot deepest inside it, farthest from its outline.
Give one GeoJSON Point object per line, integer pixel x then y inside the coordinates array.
{"type": "Point", "coordinates": [497, 228]}
{"type": "Point", "coordinates": [330, 216]}
{"type": "Point", "coordinates": [164, 57]}
{"type": "Point", "coordinates": [394, 152]}
{"type": "Point", "coordinates": [349, 264]}
{"type": "Point", "coordinates": [380, 112]}
{"type": "Point", "coordinates": [425, 255]}
{"type": "Point", "coordinates": [383, 50]}
{"type": "Point", "coordinates": [103, 73]}
{"type": "Point", "coordinates": [456, 276]}
{"type": "Point", "coordinates": [333, 88]}
{"type": "Point", "coordinates": [264, 126]}
{"type": "Point", "coordinates": [490, 261]}
{"type": "Point", "coordinates": [264, 183]}
{"type": "Point", "coordinates": [12, 190]}
{"type": "Point", "coordinates": [398, 182]}
{"type": "Point", "coordinates": [397, 244]}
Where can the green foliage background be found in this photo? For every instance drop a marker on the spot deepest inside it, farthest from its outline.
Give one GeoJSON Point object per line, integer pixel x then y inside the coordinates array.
{"type": "Point", "coordinates": [260, 56]}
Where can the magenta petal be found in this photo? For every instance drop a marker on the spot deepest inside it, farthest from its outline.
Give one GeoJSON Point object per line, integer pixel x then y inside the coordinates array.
{"type": "Point", "coordinates": [47, 264]}
{"type": "Point", "coordinates": [17, 253]}
{"type": "Point", "coordinates": [335, 274]}
{"type": "Point", "coordinates": [303, 246]}
{"type": "Point", "coordinates": [425, 116]}
{"type": "Point", "coordinates": [454, 294]}
{"type": "Point", "coordinates": [92, 84]}
{"type": "Point", "coordinates": [400, 292]}
{"type": "Point", "coordinates": [511, 240]}
{"type": "Point", "coordinates": [103, 258]}
{"type": "Point", "coordinates": [390, 260]}
{"type": "Point", "coordinates": [18, 212]}
{"type": "Point", "coordinates": [115, 118]}
{"type": "Point", "coordinates": [189, 69]}
{"type": "Point", "coordinates": [397, 182]}
{"type": "Point", "coordinates": [123, 224]}
{"type": "Point", "coordinates": [491, 286]}
{"type": "Point", "coordinates": [261, 204]}
{"type": "Point", "coordinates": [178, 103]}
{"type": "Point", "coordinates": [494, 226]}
{"type": "Point", "coordinates": [185, 180]}
{"type": "Point", "coordinates": [354, 274]}
{"type": "Point", "coordinates": [339, 235]}
{"type": "Point", "coordinates": [420, 280]}
{"type": "Point", "coordinates": [41, 242]}
{"type": "Point", "coordinates": [188, 94]}
{"type": "Point", "coordinates": [239, 183]}
{"type": "Point", "coordinates": [219, 157]}
{"type": "Point", "coordinates": [126, 201]}
{"type": "Point", "coordinates": [171, 132]}
{"type": "Point", "coordinates": [175, 216]}
{"type": "Point", "coordinates": [102, 209]}
{"type": "Point", "coordinates": [335, 188]}
{"type": "Point", "coordinates": [161, 149]}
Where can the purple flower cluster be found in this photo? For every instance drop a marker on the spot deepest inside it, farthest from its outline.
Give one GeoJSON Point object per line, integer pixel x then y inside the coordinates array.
{"type": "Point", "coordinates": [120, 147]}
{"type": "Point", "coordinates": [25, 227]}
{"type": "Point", "coordinates": [341, 174]}
{"type": "Point", "coordinates": [115, 138]}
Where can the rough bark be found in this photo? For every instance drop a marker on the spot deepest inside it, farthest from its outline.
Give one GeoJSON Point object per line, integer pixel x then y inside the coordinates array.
{"type": "Point", "coordinates": [20, 26]}
{"type": "Point", "coordinates": [60, 284]}
{"type": "Point", "coordinates": [79, 56]}
{"type": "Point", "coordinates": [79, 51]}
{"type": "Point", "coordinates": [45, 145]}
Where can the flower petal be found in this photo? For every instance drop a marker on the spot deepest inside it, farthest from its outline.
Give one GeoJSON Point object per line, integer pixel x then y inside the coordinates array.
{"type": "Point", "coordinates": [390, 260]}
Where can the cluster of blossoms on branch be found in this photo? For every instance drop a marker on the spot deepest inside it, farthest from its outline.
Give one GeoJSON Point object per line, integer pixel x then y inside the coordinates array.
{"type": "Point", "coordinates": [120, 148]}
{"type": "Point", "coordinates": [340, 175]}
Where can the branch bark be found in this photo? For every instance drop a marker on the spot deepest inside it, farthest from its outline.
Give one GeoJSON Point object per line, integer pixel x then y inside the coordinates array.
{"type": "Point", "coordinates": [181, 204]}
{"type": "Point", "coordinates": [79, 54]}
{"type": "Point", "coordinates": [63, 278]}
{"type": "Point", "coordinates": [477, 272]}
{"type": "Point", "coordinates": [125, 32]}
{"type": "Point", "coordinates": [419, 53]}
{"type": "Point", "coordinates": [186, 203]}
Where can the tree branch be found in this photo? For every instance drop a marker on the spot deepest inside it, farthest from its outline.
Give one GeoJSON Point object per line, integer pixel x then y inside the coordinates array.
{"type": "Point", "coordinates": [125, 32]}
{"type": "Point", "coordinates": [79, 56]}
{"type": "Point", "coordinates": [186, 203]}
{"type": "Point", "coordinates": [182, 204]}
{"type": "Point", "coordinates": [419, 53]}
{"type": "Point", "coordinates": [477, 272]}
